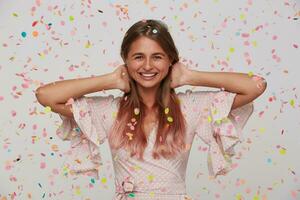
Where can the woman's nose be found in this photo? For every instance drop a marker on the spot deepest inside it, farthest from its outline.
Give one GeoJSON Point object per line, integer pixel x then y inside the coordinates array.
{"type": "Point", "coordinates": [148, 65]}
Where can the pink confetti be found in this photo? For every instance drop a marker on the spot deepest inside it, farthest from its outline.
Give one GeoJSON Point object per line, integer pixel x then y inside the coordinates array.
{"type": "Point", "coordinates": [245, 35]}
{"type": "Point", "coordinates": [13, 113]}
{"type": "Point", "coordinates": [38, 2]}
{"type": "Point", "coordinates": [42, 165]}
{"type": "Point", "coordinates": [25, 85]}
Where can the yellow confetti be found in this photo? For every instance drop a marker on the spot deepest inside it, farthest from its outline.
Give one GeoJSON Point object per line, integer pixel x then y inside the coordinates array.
{"type": "Point", "coordinates": [103, 180]}
{"type": "Point", "coordinates": [15, 14]}
{"type": "Point", "coordinates": [242, 16]}
{"type": "Point", "coordinates": [42, 55]}
{"type": "Point", "coordinates": [114, 114]}
{"type": "Point", "coordinates": [209, 119]}
{"type": "Point", "coordinates": [218, 121]}
{"type": "Point", "coordinates": [254, 43]}
{"type": "Point", "coordinates": [238, 197]}
{"type": "Point", "coordinates": [282, 151]}
{"type": "Point", "coordinates": [170, 119]}
{"type": "Point", "coordinates": [256, 197]}
{"type": "Point", "coordinates": [47, 109]}
{"type": "Point", "coordinates": [231, 49]}
{"type": "Point", "coordinates": [292, 103]}
{"type": "Point", "coordinates": [167, 110]}
{"type": "Point", "coordinates": [151, 194]}
{"type": "Point", "coordinates": [88, 44]}
{"type": "Point", "coordinates": [250, 74]}
{"type": "Point", "coordinates": [262, 130]}
{"type": "Point", "coordinates": [150, 178]}
{"type": "Point", "coordinates": [137, 168]}
{"type": "Point", "coordinates": [77, 191]}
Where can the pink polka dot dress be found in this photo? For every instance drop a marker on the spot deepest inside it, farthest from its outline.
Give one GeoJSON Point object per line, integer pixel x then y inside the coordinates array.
{"type": "Point", "coordinates": [209, 116]}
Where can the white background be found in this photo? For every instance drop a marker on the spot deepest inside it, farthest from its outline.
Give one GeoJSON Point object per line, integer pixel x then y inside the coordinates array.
{"type": "Point", "coordinates": [264, 35]}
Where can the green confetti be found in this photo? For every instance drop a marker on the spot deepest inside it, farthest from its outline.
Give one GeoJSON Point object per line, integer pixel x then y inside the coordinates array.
{"type": "Point", "coordinates": [71, 18]}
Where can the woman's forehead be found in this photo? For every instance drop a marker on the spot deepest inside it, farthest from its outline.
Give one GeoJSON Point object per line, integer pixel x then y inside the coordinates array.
{"type": "Point", "coordinates": [146, 46]}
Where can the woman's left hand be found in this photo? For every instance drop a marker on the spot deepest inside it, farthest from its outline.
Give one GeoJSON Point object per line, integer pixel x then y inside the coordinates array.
{"type": "Point", "coordinates": [179, 75]}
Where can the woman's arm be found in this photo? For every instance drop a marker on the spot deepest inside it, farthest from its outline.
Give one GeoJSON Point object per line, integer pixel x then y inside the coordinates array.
{"type": "Point", "coordinates": [56, 94]}
{"type": "Point", "coordinates": [247, 87]}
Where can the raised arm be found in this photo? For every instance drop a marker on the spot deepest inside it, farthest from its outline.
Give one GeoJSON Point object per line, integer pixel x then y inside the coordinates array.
{"type": "Point", "coordinates": [247, 86]}
{"type": "Point", "coordinates": [57, 94]}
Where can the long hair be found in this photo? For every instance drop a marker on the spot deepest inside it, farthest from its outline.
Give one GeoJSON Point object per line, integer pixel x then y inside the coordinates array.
{"type": "Point", "coordinates": [127, 131]}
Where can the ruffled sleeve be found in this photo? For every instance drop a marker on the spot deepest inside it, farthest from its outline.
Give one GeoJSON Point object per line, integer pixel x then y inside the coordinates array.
{"type": "Point", "coordinates": [220, 127]}
{"type": "Point", "coordinates": [86, 132]}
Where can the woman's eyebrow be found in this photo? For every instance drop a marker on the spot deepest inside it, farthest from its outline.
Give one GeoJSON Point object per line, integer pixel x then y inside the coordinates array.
{"type": "Point", "coordinates": [156, 53]}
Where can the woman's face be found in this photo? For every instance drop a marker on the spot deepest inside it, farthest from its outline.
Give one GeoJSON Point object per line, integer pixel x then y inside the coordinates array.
{"type": "Point", "coordinates": [147, 63]}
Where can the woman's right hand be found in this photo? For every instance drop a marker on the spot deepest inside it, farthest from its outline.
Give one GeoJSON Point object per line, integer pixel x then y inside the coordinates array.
{"type": "Point", "coordinates": [122, 78]}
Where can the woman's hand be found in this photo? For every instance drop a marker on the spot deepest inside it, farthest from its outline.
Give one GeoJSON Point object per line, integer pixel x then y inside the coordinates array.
{"type": "Point", "coordinates": [179, 75]}
{"type": "Point", "coordinates": [122, 78]}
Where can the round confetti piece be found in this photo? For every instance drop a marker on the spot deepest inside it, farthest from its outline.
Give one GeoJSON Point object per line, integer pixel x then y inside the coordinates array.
{"type": "Point", "coordinates": [23, 34]}
{"type": "Point", "coordinates": [170, 119]}
{"type": "Point", "coordinates": [71, 18]}
{"type": "Point", "coordinates": [133, 119]}
{"type": "Point", "coordinates": [167, 110]}
{"type": "Point", "coordinates": [154, 31]}
{"type": "Point", "coordinates": [47, 109]}
{"type": "Point", "coordinates": [250, 74]}
{"type": "Point", "coordinates": [136, 111]}
{"type": "Point", "coordinates": [104, 180]}
{"type": "Point", "coordinates": [282, 151]}
{"type": "Point", "coordinates": [35, 33]}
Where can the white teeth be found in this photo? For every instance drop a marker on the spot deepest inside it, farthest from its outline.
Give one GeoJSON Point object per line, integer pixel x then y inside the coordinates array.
{"type": "Point", "coordinates": [148, 75]}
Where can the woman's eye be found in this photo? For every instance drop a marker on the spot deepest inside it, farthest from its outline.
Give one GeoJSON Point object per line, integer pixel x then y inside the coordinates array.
{"type": "Point", "coordinates": [157, 57]}
{"type": "Point", "coordinates": [138, 57]}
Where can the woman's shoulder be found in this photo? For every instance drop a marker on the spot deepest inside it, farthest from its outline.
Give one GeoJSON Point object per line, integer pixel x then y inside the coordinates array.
{"type": "Point", "coordinates": [191, 96]}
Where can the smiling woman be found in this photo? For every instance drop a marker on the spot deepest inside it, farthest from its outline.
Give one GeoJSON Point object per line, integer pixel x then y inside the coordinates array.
{"type": "Point", "coordinates": [153, 130]}
{"type": "Point", "coordinates": [147, 61]}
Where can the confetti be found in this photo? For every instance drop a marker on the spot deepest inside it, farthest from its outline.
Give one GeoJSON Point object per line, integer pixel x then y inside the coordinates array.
{"type": "Point", "coordinates": [136, 111]}
{"type": "Point", "coordinates": [71, 18]}
{"type": "Point", "coordinates": [23, 34]}
{"type": "Point", "coordinates": [34, 23]}
{"type": "Point", "coordinates": [35, 33]}
{"type": "Point", "coordinates": [47, 109]}
{"type": "Point", "coordinates": [167, 110]}
{"type": "Point", "coordinates": [130, 135]}
{"type": "Point", "coordinates": [170, 119]}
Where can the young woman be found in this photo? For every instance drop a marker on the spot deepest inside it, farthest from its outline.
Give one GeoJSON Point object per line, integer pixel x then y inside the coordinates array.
{"type": "Point", "coordinates": [150, 129]}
